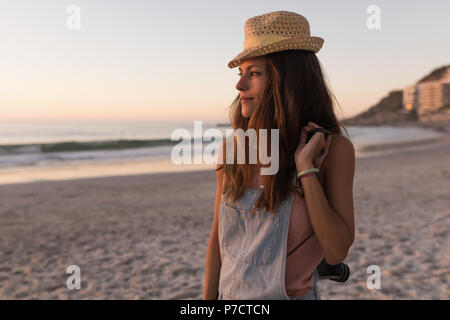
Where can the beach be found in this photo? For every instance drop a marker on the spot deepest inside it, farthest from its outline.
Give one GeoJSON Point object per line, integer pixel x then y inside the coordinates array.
{"type": "Point", "coordinates": [144, 236]}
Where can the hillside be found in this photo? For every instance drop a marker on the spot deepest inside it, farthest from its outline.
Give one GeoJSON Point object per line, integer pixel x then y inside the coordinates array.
{"type": "Point", "coordinates": [390, 111]}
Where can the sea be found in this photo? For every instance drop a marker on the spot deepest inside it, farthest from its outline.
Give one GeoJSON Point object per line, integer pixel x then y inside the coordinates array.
{"type": "Point", "coordinates": [52, 144]}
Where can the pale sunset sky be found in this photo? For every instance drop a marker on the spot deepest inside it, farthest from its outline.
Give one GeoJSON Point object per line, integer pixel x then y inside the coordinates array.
{"type": "Point", "coordinates": [161, 60]}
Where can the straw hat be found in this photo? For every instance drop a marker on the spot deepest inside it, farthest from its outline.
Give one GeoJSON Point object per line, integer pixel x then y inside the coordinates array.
{"type": "Point", "coordinates": [276, 31]}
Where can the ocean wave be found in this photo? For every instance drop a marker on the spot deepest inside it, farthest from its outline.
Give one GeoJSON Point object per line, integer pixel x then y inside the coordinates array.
{"type": "Point", "coordinates": [83, 146]}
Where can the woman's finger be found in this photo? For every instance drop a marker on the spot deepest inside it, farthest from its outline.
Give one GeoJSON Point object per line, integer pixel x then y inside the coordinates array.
{"type": "Point", "coordinates": [324, 152]}
{"type": "Point", "coordinates": [313, 125]}
{"type": "Point", "coordinates": [303, 135]}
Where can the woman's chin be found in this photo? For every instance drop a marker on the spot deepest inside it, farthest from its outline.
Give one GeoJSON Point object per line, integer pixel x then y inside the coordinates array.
{"type": "Point", "coordinates": [246, 112]}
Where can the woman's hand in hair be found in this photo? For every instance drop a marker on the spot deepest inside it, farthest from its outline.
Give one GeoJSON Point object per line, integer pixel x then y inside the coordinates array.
{"type": "Point", "coordinates": [311, 154]}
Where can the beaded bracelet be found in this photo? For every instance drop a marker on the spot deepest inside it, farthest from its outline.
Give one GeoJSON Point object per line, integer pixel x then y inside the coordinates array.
{"type": "Point", "coordinates": [311, 174]}
{"type": "Point", "coordinates": [305, 172]}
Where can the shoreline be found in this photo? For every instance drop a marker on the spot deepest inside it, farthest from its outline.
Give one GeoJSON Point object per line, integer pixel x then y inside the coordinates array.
{"type": "Point", "coordinates": [143, 167]}
{"type": "Point", "coordinates": [442, 127]}
{"type": "Point", "coordinates": [97, 170]}
{"type": "Point", "coordinates": [407, 145]}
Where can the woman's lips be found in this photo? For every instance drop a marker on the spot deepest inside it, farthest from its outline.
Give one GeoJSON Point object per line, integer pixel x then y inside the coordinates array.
{"type": "Point", "coordinates": [245, 100]}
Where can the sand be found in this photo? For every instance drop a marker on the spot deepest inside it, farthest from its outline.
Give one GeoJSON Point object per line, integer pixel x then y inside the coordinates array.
{"type": "Point", "coordinates": [144, 236]}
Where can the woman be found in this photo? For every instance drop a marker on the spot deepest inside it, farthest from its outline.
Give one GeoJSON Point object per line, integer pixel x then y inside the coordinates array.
{"type": "Point", "coordinates": [270, 232]}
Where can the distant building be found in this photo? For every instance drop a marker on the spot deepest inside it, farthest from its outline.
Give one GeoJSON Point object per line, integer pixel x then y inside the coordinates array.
{"type": "Point", "coordinates": [410, 98]}
{"type": "Point", "coordinates": [429, 95]}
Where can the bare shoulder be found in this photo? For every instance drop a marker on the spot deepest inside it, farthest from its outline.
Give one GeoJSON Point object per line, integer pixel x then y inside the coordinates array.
{"type": "Point", "coordinates": [341, 143]}
{"type": "Point", "coordinates": [341, 153]}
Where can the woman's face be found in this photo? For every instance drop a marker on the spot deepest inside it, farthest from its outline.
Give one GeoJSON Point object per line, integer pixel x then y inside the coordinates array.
{"type": "Point", "coordinates": [252, 74]}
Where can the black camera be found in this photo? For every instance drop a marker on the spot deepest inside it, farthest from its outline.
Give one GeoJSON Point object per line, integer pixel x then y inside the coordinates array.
{"type": "Point", "coordinates": [337, 272]}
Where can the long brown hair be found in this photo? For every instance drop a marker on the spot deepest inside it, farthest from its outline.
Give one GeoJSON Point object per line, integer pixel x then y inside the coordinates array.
{"type": "Point", "coordinates": [295, 92]}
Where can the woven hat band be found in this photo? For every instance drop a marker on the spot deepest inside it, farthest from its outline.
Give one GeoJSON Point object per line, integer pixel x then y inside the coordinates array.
{"type": "Point", "coordinates": [262, 40]}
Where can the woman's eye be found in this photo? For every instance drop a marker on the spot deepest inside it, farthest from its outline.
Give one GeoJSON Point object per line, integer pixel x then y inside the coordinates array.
{"type": "Point", "coordinates": [254, 72]}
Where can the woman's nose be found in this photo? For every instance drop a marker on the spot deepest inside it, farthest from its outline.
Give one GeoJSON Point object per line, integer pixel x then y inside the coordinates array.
{"type": "Point", "coordinates": [241, 85]}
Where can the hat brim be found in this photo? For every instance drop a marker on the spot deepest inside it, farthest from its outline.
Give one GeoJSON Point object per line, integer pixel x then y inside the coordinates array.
{"type": "Point", "coordinates": [296, 43]}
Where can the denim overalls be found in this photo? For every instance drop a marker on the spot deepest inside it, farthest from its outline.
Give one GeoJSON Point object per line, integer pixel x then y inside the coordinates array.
{"type": "Point", "coordinates": [253, 251]}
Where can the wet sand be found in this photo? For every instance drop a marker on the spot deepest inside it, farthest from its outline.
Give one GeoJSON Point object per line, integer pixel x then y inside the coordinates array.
{"type": "Point", "coordinates": [144, 236]}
